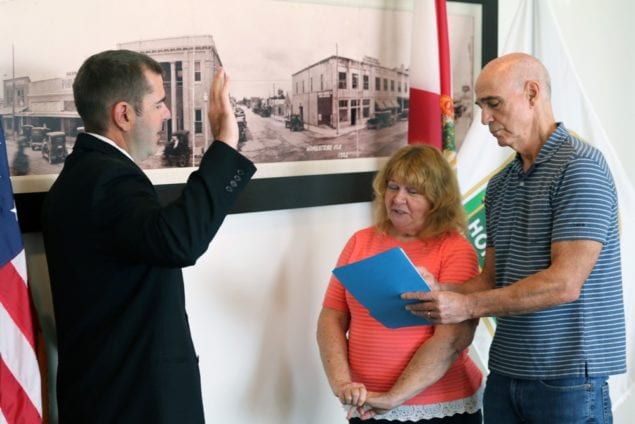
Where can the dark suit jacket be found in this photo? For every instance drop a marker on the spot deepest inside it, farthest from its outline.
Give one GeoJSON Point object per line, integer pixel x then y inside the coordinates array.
{"type": "Point", "coordinates": [115, 256]}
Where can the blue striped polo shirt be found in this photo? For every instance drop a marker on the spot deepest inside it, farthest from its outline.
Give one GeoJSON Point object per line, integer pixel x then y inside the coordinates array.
{"type": "Point", "coordinates": [568, 194]}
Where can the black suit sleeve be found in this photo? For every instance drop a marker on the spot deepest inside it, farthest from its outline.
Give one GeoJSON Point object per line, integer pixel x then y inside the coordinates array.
{"type": "Point", "coordinates": [134, 227]}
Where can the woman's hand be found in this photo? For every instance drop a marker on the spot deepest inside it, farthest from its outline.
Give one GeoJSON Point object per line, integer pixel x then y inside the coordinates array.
{"type": "Point", "coordinates": [429, 278]}
{"type": "Point", "coordinates": [376, 404]}
{"type": "Point", "coordinates": [353, 394]}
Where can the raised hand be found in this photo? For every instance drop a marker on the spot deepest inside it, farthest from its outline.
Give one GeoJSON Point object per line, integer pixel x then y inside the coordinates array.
{"type": "Point", "coordinates": [221, 113]}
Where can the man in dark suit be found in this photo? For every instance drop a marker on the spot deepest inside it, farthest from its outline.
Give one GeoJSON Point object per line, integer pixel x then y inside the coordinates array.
{"type": "Point", "coordinates": [115, 253]}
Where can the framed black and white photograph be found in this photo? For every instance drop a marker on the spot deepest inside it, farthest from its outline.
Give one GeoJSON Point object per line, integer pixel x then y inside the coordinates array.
{"type": "Point", "coordinates": [320, 88]}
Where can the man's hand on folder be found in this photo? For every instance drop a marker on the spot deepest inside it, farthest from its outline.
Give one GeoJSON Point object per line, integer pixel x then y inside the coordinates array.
{"type": "Point", "coordinates": [439, 306]}
{"type": "Point", "coordinates": [439, 298]}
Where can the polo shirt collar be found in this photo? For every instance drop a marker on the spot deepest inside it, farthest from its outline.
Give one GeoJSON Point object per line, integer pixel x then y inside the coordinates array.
{"type": "Point", "coordinates": [548, 149]}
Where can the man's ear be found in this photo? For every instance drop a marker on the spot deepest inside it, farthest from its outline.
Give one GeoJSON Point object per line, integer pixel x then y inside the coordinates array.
{"type": "Point", "coordinates": [532, 90]}
{"type": "Point", "coordinates": [123, 115]}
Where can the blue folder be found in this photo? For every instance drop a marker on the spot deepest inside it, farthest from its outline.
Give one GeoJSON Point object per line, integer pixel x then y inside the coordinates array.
{"type": "Point", "coordinates": [378, 281]}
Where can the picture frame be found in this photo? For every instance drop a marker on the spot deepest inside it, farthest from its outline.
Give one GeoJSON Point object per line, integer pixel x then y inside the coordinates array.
{"type": "Point", "coordinates": [308, 184]}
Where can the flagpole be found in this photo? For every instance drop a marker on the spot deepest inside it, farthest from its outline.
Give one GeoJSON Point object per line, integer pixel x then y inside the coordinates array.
{"type": "Point", "coordinates": [337, 91]}
{"type": "Point", "coordinates": [13, 124]}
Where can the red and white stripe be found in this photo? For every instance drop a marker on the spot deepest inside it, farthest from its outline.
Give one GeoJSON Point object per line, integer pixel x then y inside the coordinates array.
{"type": "Point", "coordinates": [430, 73]}
{"type": "Point", "coordinates": [20, 385]}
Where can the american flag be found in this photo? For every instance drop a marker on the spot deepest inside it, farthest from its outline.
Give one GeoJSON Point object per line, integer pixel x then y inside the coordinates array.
{"type": "Point", "coordinates": [20, 387]}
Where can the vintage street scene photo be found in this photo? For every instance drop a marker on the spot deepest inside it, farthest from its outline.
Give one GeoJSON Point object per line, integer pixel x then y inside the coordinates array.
{"type": "Point", "coordinates": [295, 99]}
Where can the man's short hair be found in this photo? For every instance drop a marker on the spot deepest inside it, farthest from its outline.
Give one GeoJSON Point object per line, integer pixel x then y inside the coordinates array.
{"type": "Point", "coordinates": [107, 78]}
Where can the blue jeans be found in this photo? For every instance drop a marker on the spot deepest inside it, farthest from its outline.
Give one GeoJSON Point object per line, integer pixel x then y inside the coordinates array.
{"type": "Point", "coordinates": [562, 401]}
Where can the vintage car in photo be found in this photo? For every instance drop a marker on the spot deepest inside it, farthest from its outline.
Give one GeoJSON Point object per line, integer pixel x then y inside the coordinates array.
{"type": "Point", "coordinates": [54, 147]}
{"type": "Point", "coordinates": [381, 119]}
{"type": "Point", "coordinates": [38, 134]}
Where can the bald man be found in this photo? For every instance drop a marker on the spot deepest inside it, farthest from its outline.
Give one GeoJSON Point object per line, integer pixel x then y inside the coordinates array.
{"type": "Point", "coordinates": [552, 272]}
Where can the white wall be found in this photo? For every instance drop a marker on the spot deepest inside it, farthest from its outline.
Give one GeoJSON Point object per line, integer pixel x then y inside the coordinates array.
{"type": "Point", "coordinates": [254, 296]}
{"type": "Point", "coordinates": [600, 37]}
{"type": "Point", "coordinates": [257, 313]}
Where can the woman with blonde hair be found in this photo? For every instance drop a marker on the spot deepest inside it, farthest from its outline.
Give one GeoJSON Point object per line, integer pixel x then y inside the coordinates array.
{"type": "Point", "coordinates": [420, 374]}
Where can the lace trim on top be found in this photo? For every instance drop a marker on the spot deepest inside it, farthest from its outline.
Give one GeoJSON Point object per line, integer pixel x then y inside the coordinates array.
{"type": "Point", "coordinates": [468, 405]}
